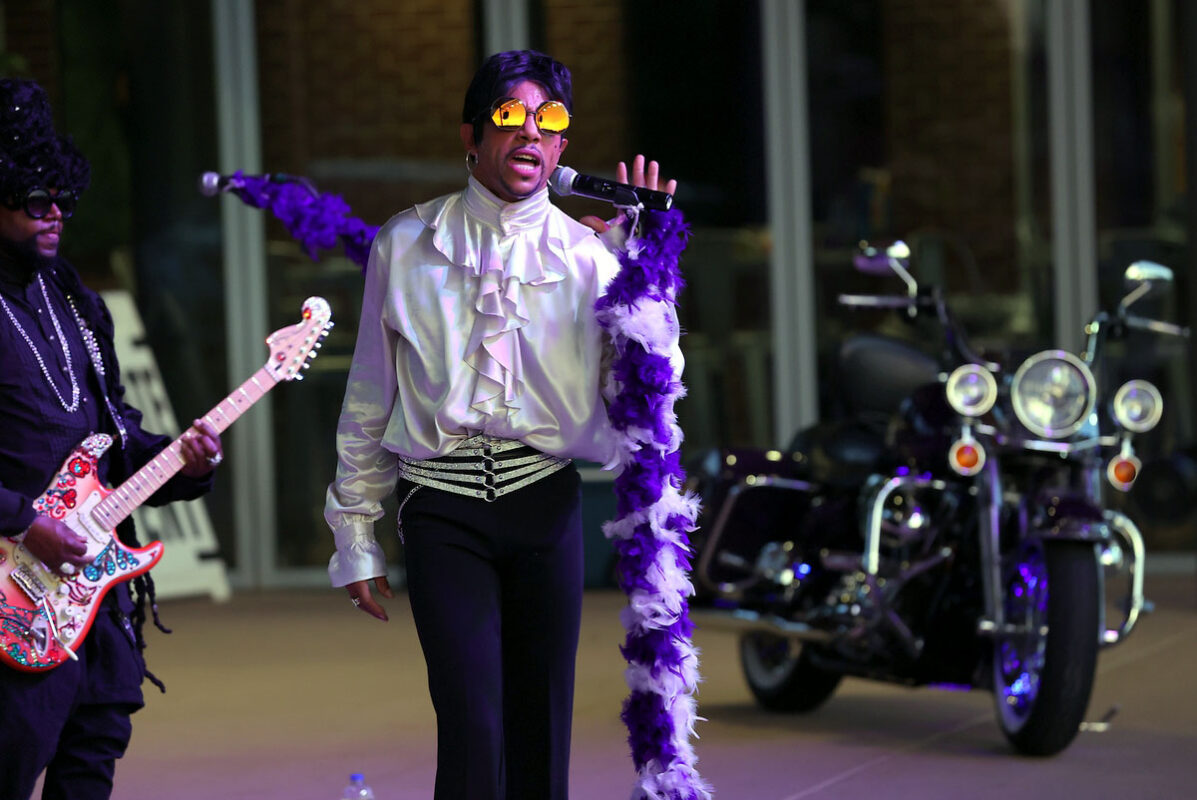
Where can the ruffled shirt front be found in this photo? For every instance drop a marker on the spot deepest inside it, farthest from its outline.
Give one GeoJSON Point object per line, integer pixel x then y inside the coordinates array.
{"type": "Point", "coordinates": [477, 317]}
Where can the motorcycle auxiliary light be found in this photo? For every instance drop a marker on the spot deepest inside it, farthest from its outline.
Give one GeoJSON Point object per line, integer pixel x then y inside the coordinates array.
{"type": "Point", "coordinates": [1138, 406]}
{"type": "Point", "coordinates": [971, 390]}
{"type": "Point", "coordinates": [966, 456]}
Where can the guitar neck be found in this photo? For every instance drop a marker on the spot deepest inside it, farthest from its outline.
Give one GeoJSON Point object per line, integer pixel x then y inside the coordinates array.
{"type": "Point", "coordinates": [129, 496]}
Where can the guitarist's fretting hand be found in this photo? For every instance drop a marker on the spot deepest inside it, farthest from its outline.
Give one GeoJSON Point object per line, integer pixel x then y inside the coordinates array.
{"type": "Point", "coordinates": [55, 544]}
{"type": "Point", "coordinates": [201, 450]}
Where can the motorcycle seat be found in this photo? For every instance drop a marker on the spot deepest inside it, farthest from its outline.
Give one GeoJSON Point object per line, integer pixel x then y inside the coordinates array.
{"type": "Point", "coordinates": [876, 373]}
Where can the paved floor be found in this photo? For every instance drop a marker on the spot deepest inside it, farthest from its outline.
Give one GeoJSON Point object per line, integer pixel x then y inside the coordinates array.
{"type": "Point", "coordinates": [281, 695]}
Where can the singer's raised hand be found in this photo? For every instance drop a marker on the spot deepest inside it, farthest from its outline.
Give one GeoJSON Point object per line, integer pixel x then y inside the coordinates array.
{"type": "Point", "coordinates": [645, 175]}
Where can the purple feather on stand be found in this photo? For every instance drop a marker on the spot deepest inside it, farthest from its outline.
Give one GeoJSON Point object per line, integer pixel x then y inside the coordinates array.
{"type": "Point", "coordinates": [317, 220]}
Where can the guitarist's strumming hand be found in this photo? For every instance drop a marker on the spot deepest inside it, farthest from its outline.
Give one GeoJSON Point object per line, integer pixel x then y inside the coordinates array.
{"type": "Point", "coordinates": [54, 544]}
{"type": "Point", "coordinates": [201, 450]}
{"type": "Point", "coordinates": [359, 595]}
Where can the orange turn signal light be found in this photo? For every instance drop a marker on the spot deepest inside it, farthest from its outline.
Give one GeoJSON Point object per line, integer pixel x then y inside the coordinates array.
{"type": "Point", "coordinates": [966, 457]}
{"type": "Point", "coordinates": [1122, 471]}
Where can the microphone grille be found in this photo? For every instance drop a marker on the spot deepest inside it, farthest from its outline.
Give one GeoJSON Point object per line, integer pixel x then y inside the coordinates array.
{"type": "Point", "coordinates": [562, 181]}
{"type": "Point", "coordinates": [209, 184]}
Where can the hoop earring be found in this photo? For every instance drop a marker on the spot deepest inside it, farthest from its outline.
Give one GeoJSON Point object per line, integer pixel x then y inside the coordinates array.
{"type": "Point", "coordinates": [471, 161]}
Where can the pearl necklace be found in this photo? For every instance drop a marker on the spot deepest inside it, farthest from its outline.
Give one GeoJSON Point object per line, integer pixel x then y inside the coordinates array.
{"type": "Point", "coordinates": [72, 406]}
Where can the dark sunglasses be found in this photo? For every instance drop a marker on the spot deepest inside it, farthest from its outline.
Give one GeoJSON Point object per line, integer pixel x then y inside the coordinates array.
{"type": "Point", "coordinates": [509, 114]}
{"type": "Point", "coordinates": [37, 203]}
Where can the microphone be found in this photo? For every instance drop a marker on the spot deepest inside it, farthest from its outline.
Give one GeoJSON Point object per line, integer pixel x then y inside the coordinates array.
{"type": "Point", "coordinates": [213, 183]}
{"type": "Point", "coordinates": [566, 181]}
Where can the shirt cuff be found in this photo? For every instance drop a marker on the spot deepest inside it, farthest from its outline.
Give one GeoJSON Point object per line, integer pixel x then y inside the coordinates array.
{"type": "Point", "coordinates": [21, 524]}
{"type": "Point", "coordinates": [359, 556]}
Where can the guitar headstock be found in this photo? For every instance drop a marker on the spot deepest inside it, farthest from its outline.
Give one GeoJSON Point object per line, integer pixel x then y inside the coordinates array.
{"type": "Point", "coordinates": [292, 348]}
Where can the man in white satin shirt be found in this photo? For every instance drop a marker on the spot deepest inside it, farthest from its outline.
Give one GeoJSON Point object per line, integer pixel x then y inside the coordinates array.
{"type": "Point", "coordinates": [477, 378]}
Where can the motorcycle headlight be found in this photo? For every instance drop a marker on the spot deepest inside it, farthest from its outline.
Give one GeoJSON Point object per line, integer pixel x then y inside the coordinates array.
{"type": "Point", "coordinates": [1053, 393]}
{"type": "Point", "coordinates": [1138, 406]}
{"type": "Point", "coordinates": [971, 390]}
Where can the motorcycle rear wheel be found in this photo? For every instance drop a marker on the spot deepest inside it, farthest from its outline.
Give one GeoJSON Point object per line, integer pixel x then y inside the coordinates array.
{"type": "Point", "coordinates": [1042, 680]}
{"type": "Point", "coordinates": [781, 680]}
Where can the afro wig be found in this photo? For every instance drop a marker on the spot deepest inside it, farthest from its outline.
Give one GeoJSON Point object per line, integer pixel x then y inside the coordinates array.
{"type": "Point", "coordinates": [32, 154]}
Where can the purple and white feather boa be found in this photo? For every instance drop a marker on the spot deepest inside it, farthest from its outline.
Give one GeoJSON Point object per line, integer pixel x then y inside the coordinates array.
{"type": "Point", "coordinates": [653, 514]}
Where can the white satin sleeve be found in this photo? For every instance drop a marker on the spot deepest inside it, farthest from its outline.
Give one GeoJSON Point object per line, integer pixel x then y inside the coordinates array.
{"type": "Point", "coordinates": [366, 471]}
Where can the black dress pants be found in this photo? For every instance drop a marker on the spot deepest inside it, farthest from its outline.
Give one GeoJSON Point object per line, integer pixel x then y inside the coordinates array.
{"type": "Point", "coordinates": [496, 594]}
{"type": "Point", "coordinates": [72, 720]}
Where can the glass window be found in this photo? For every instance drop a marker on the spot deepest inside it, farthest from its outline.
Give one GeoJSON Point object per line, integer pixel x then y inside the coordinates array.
{"type": "Point", "coordinates": [690, 98]}
{"type": "Point", "coordinates": [928, 124]}
{"type": "Point", "coordinates": [131, 82]}
{"type": "Point", "coordinates": [365, 100]}
{"type": "Point", "coordinates": [1143, 166]}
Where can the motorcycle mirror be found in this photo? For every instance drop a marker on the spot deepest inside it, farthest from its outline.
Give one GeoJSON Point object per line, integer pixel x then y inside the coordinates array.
{"type": "Point", "coordinates": [877, 259]}
{"type": "Point", "coordinates": [893, 258]}
{"type": "Point", "coordinates": [1148, 271]}
{"type": "Point", "coordinates": [1141, 277]}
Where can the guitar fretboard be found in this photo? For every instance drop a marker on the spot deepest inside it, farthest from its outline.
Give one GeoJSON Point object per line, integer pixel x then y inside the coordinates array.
{"type": "Point", "coordinates": [127, 497]}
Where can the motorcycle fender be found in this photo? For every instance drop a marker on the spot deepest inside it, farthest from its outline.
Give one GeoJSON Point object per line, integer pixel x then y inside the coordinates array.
{"type": "Point", "coordinates": [1079, 530]}
{"type": "Point", "coordinates": [1071, 517]}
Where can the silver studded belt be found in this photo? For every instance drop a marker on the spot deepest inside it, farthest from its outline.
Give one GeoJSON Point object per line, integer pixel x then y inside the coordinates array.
{"type": "Point", "coordinates": [482, 467]}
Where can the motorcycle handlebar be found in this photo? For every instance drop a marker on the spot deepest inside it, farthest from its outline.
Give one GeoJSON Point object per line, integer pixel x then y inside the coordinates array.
{"type": "Point", "coordinates": [884, 301]}
{"type": "Point", "coordinates": [956, 338]}
{"type": "Point", "coordinates": [1097, 329]}
{"type": "Point", "coordinates": [1156, 326]}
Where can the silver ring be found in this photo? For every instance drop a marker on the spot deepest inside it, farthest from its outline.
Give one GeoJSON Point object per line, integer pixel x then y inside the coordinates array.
{"type": "Point", "coordinates": [216, 459]}
{"type": "Point", "coordinates": [67, 568]}
{"type": "Point", "coordinates": [357, 601]}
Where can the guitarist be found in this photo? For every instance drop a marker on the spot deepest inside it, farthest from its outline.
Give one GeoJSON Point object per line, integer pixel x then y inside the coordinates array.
{"type": "Point", "coordinates": [56, 387]}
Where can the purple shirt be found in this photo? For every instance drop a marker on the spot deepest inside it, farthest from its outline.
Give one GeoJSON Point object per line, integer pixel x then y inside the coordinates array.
{"type": "Point", "coordinates": [36, 432]}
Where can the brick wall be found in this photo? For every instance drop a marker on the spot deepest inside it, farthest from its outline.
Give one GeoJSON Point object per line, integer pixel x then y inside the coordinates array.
{"type": "Point", "coordinates": [588, 38]}
{"type": "Point", "coordinates": [367, 80]}
{"type": "Point", "coordinates": [381, 83]}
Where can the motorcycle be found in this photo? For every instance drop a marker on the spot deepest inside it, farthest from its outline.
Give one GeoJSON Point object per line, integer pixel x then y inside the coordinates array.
{"type": "Point", "coordinates": [950, 528]}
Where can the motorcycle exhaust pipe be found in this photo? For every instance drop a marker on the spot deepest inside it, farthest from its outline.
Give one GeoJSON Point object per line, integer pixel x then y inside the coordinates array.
{"type": "Point", "coordinates": [743, 621]}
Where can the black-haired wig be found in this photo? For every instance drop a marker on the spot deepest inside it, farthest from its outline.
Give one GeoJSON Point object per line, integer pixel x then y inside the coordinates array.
{"type": "Point", "coordinates": [502, 71]}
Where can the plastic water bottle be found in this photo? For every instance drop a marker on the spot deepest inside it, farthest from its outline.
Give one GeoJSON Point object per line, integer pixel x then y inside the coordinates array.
{"type": "Point", "coordinates": [357, 789]}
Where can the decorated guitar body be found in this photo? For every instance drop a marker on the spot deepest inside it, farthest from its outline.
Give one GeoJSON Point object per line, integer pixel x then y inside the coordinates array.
{"type": "Point", "coordinates": [45, 615]}
{"type": "Point", "coordinates": [41, 612]}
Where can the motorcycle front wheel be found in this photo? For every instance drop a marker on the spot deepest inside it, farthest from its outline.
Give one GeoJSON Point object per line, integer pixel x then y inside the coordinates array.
{"type": "Point", "coordinates": [781, 679]}
{"type": "Point", "coordinates": [1043, 676]}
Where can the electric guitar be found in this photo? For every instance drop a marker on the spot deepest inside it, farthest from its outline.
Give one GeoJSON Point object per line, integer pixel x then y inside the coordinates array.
{"type": "Point", "coordinates": [44, 616]}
